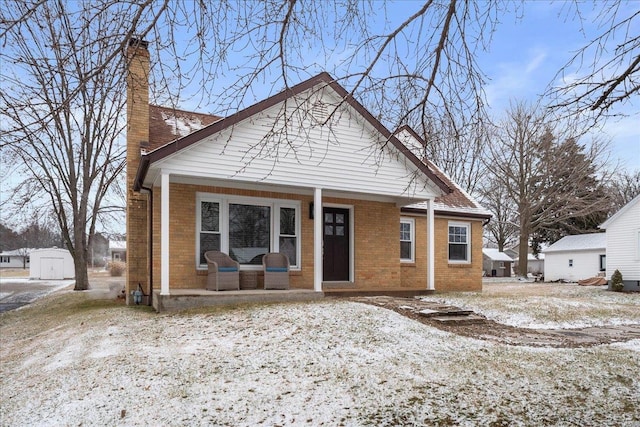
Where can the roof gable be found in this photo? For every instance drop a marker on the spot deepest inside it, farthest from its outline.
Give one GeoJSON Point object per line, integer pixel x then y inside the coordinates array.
{"type": "Point", "coordinates": [254, 119]}
{"type": "Point", "coordinates": [621, 212]}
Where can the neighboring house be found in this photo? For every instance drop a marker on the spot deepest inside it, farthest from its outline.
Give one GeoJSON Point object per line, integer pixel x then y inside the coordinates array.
{"type": "Point", "coordinates": [623, 244]}
{"type": "Point", "coordinates": [352, 207]}
{"type": "Point", "coordinates": [496, 263]}
{"type": "Point", "coordinates": [576, 257]}
{"type": "Point", "coordinates": [51, 264]}
{"type": "Point", "coordinates": [18, 258]}
{"type": "Point", "coordinates": [535, 262]}
{"type": "Point", "coordinates": [118, 250]}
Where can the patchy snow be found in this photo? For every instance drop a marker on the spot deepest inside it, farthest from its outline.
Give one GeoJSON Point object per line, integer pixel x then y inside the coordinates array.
{"type": "Point", "coordinates": [564, 306]}
{"type": "Point", "coordinates": [182, 125]}
{"type": "Point", "coordinates": [323, 363]}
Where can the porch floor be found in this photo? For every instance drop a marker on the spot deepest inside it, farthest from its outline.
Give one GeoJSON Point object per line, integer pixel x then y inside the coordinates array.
{"type": "Point", "coordinates": [182, 299]}
{"type": "Point", "coordinates": [365, 292]}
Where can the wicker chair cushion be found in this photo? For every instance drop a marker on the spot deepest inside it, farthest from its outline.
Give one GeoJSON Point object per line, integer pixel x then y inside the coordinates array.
{"type": "Point", "coordinates": [277, 269]}
{"type": "Point", "coordinates": [226, 269]}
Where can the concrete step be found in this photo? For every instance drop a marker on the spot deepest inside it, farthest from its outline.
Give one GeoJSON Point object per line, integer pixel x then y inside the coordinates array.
{"type": "Point", "coordinates": [428, 312]}
{"type": "Point", "coordinates": [460, 320]}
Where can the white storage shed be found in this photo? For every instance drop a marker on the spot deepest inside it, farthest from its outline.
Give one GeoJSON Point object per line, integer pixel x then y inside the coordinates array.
{"type": "Point", "coordinates": [51, 264]}
{"type": "Point", "coordinates": [576, 257]}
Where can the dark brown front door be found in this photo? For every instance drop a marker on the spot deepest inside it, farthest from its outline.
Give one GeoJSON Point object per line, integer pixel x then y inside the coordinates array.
{"type": "Point", "coordinates": [336, 244]}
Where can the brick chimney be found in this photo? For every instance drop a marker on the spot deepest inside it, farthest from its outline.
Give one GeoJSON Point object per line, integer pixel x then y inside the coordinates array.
{"type": "Point", "coordinates": [137, 57]}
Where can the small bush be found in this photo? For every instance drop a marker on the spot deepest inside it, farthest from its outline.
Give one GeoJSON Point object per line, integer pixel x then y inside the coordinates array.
{"type": "Point", "coordinates": [616, 281]}
{"type": "Point", "coordinates": [117, 268]}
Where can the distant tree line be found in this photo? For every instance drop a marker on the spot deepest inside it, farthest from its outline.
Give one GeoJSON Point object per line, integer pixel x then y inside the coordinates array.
{"type": "Point", "coordinates": [33, 235]}
{"type": "Point", "coordinates": [36, 235]}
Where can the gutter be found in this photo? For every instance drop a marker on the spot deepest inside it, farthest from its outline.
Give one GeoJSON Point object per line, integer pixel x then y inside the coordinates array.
{"type": "Point", "coordinates": [141, 173]}
{"type": "Point", "coordinates": [440, 212]}
{"type": "Point", "coordinates": [150, 255]}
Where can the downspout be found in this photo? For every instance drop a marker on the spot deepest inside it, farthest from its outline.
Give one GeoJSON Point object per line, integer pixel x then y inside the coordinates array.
{"type": "Point", "coordinates": [150, 256]}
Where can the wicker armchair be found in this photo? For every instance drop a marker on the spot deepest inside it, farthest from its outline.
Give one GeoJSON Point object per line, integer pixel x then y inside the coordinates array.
{"type": "Point", "coordinates": [224, 272]}
{"type": "Point", "coordinates": [276, 271]}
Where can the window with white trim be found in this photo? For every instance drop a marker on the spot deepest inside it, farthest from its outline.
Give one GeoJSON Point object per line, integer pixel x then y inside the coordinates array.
{"type": "Point", "coordinates": [246, 228]}
{"type": "Point", "coordinates": [208, 228]}
{"type": "Point", "coordinates": [407, 240]}
{"type": "Point", "coordinates": [459, 242]}
{"type": "Point", "coordinates": [603, 262]}
{"type": "Point", "coordinates": [5, 259]}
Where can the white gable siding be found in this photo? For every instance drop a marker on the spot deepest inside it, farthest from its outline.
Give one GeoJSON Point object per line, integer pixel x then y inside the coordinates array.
{"type": "Point", "coordinates": [623, 244]}
{"type": "Point", "coordinates": [586, 264]}
{"type": "Point", "coordinates": [346, 155]}
{"type": "Point", "coordinates": [411, 143]}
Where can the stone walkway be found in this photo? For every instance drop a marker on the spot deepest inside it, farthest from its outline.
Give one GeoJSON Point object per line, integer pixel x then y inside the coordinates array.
{"type": "Point", "coordinates": [467, 323]}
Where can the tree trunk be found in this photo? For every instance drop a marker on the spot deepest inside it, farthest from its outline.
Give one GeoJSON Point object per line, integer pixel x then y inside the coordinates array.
{"type": "Point", "coordinates": [80, 265]}
{"type": "Point", "coordinates": [523, 252]}
{"type": "Point", "coordinates": [80, 257]}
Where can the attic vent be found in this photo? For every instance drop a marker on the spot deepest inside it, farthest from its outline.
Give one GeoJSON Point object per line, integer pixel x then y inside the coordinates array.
{"type": "Point", "coordinates": [320, 112]}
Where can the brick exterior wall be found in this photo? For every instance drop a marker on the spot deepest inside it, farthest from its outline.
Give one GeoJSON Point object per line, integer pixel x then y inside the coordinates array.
{"type": "Point", "coordinates": [137, 132]}
{"type": "Point", "coordinates": [376, 241]}
{"type": "Point", "coordinates": [448, 277]}
{"type": "Point", "coordinates": [377, 250]}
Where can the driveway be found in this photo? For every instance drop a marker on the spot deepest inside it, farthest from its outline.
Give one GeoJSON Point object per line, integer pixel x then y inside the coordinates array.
{"type": "Point", "coordinates": [16, 292]}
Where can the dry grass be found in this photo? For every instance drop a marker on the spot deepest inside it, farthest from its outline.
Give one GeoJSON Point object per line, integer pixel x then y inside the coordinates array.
{"type": "Point", "coordinates": [14, 272]}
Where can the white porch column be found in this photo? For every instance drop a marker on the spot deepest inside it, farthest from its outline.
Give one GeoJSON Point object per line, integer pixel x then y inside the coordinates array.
{"type": "Point", "coordinates": [317, 240]}
{"type": "Point", "coordinates": [431, 274]}
{"type": "Point", "coordinates": [164, 234]}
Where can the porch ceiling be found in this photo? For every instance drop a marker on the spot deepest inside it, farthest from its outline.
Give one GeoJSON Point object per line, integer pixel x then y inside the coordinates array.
{"type": "Point", "coordinates": [399, 200]}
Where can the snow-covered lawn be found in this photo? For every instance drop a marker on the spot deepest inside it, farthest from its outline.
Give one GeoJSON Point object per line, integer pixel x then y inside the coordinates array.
{"type": "Point", "coordinates": [549, 305]}
{"type": "Point", "coordinates": [70, 360]}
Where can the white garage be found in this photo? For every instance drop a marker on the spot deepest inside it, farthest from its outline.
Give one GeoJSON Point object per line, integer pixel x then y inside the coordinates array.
{"type": "Point", "coordinates": [51, 264]}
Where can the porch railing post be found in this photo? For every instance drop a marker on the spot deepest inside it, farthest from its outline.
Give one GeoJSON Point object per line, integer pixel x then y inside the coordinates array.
{"type": "Point", "coordinates": [317, 240]}
{"type": "Point", "coordinates": [164, 234]}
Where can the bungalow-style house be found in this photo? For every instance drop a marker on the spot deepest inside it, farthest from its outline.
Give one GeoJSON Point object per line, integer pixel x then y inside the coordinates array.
{"type": "Point", "coordinates": [496, 263]}
{"type": "Point", "coordinates": [577, 257]}
{"type": "Point", "coordinates": [623, 244]}
{"type": "Point", "coordinates": [308, 172]}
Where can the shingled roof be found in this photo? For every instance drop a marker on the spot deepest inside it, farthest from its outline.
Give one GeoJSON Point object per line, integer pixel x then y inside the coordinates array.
{"type": "Point", "coordinates": [457, 203]}
{"type": "Point", "coordinates": [168, 124]}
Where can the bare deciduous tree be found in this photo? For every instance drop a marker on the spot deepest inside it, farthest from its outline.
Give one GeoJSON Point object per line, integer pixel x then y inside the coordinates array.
{"type": "Point", "coordinates": [541, 176]}
{"type": "Point", "coordinates": [502, 230]}
{"type": "Point", "coordinates": [605, 72]}
{"type": "Point", "coordinates": [61, 106]}
{"type": "Point", "coordinates": [624, 187]}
